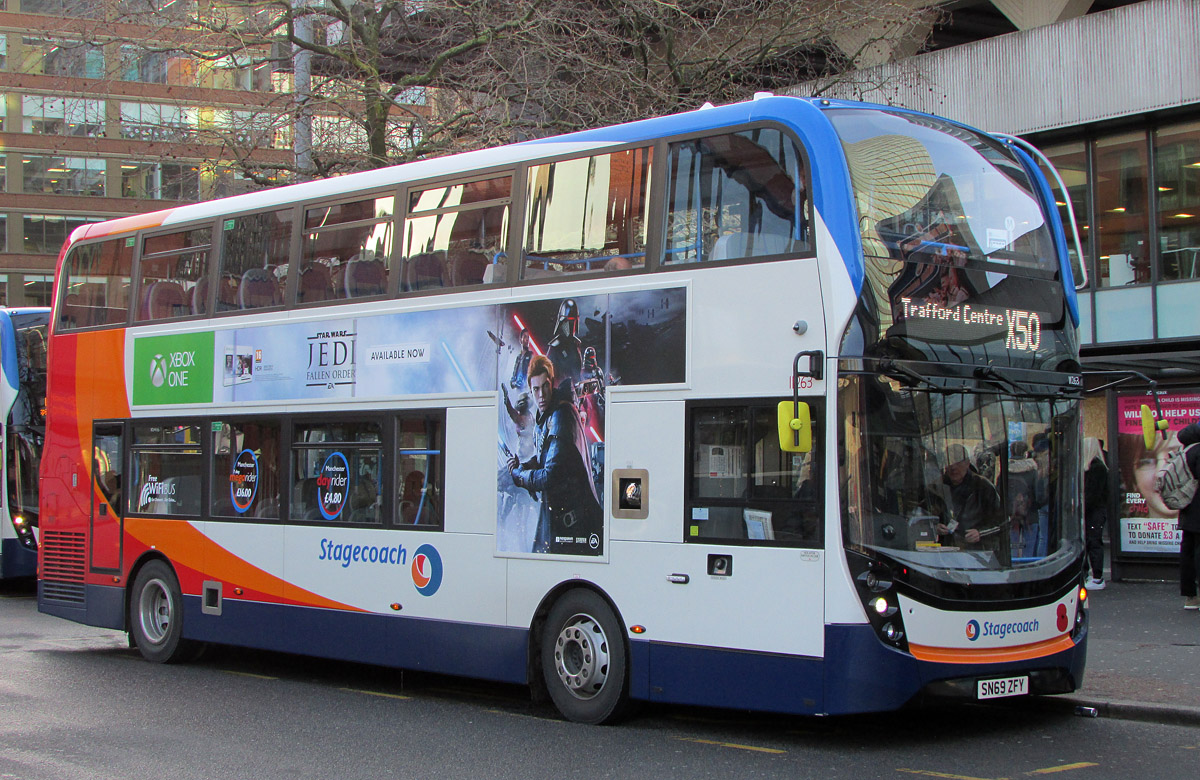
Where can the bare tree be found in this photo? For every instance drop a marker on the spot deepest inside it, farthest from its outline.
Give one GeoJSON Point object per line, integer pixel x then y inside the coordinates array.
{"type": "Point", "coordinates": [394, 80]}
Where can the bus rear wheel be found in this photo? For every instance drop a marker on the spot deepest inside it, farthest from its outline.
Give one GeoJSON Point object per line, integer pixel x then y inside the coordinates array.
{"type": "Point", "coordinates": [584, 662]}
{"type": "Point", "coordinates": [156, 616]}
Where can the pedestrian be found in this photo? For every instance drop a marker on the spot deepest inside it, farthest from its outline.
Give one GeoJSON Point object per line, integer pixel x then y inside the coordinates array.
{"type": "Point", "coordinates": [1095, 508]}
{"type": "Point", "coordinates": [1189, 526]}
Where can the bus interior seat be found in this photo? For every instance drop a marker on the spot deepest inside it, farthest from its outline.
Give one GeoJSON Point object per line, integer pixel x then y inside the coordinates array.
{"type": "Point", "coordinates": [198, 296]}
{"type": "Point", "coordinates": [227, 292]}
{"type": "Point", "coordinates": [732, 245]}
{"type": "Point", "coordinates": [424, 271]}
{"type": "Point", "coordinates": [163, 300]}
{"type": "Point", "coordinates": [258, 289]}
{"type": "Point", "coordinates": [364, 278]}
{"type": "Point", "coordinates": [497, 269]}
{"type": "Point", "coordinates": [316, 284]}
{"type": "Point", "coordinates": [468, 270]}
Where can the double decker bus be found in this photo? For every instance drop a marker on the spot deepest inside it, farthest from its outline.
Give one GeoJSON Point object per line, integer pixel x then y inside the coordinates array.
{"type": "Point", "coordinates": [23, 340]}
{"type": "Point", "coordinates": [772, 405]}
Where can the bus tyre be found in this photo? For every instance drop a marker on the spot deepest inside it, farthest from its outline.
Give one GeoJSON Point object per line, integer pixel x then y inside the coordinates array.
{"type": "Point", "coordinates": [156, 616]}
{"type": "Point", "coordinates": [584, 662]}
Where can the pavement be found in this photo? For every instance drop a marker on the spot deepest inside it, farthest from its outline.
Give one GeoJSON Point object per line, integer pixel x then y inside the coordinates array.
{"type": "Point", "coordinates": [1143, 656]}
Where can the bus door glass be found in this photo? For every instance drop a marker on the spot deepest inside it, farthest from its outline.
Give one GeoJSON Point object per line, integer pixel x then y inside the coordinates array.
{"type": "Point", "coordinates": [107, 514]}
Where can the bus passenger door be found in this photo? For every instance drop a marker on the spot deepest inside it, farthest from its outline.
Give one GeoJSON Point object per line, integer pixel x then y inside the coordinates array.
{"type": "Point", "coordinates": [107, 517]}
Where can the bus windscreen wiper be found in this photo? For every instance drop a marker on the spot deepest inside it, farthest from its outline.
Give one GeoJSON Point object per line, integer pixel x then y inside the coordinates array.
{"type": "Point", "coordinates": [908, 376]}
{"type": "Point", "coordinates": [998, 380]}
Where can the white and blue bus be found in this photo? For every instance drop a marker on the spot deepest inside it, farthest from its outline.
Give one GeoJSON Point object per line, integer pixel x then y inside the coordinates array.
{"type": "Point", "coordinates": [773, 405]}
{"type": "Point", "coordinates": [23, 341]}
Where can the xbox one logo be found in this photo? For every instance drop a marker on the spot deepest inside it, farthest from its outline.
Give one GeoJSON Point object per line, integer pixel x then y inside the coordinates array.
{"type": "Point", "coordinates": [158, 370]}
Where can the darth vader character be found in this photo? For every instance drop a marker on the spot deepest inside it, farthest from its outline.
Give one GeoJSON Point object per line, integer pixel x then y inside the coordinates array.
{"type": "Point", "coordinates": [565, 349]}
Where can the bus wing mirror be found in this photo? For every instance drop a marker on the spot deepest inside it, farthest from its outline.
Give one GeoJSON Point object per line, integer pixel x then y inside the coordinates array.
{"type": "Point", "coordinates": [795, 427]}
{"type": "Point", "coordinates": [1150, 426]}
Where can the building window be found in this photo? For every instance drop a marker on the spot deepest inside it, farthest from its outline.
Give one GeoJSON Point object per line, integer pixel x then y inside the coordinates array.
{"type": "Point", "coordinates": [38, 289]}
{"type": "Point", "coordinates": [1121, 208]}
{"type": "Point", "coordinates": [167, 463]}
{"type": "Point", "coordinates": [1070, 160]}
{"type": "Point", "coordinates": [73, 9]}
{"type": "Point", "coordinates": [1177, 185]}
{"type": "Point", "coordinates": [165, 181]}
{"type": "Point", "coordinates": [63, 175]}
{"type": "Point", "coordinates": [157, 122]}
{"type": "Point", "coordinates": [337, 473]}
{"type": "Point", "coordinates": [157, 67]}
{"type": "Point", "coordinates": [62, 116]}
{"type": "Point", "coordinates": [45, 233]}
{"type": "Point", "coordinates": [62, 58]}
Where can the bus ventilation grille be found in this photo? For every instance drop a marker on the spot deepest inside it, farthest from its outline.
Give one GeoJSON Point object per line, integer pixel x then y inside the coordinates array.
{"type": "Point", "coordinates": [63, 566]}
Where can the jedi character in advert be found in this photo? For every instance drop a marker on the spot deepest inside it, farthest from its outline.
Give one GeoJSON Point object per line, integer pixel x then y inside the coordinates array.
{"type": "Point", "coordinates": [559, 474]}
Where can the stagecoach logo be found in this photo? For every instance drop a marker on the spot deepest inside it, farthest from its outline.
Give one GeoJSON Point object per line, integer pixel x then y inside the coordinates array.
{"type": "Point", "coordinates": [158, 370]}
{"type": "Point", "coordinates": [972, 630]}
{"type": "Point", "coordinates": [427, 570]}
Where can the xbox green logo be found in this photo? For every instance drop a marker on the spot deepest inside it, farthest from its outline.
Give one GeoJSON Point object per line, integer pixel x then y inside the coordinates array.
{"type": "Point", "coordinates": [158, 370]}
{"type": "Point", "coordinates": [173, 369]}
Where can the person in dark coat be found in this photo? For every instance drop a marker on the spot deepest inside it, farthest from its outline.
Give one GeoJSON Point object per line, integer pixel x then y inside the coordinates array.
{"type": "Point", "coordinates": [1095, 508]}
{"type": "Point", "coordinates": [973, 517]}
{"type": "Point", "coordinates": [1189, 525]}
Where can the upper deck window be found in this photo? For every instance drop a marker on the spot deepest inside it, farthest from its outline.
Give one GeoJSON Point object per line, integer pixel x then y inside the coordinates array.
{"type": "Point", "coordinates": [96, 280]}
{"type": "Point", "coordinates": [347, 250]}
{"type": "Point", "coordinates": [173, 275]}
{"type": "Point", "coordinates": [455, 235]}
{"type": "Point", "coordinates": [933, 193]}
{"type": "Point", "coordinates": [254, 260]}
{"type": "Point", "coordinates": [735, 195]}
{"type": "Point", "coordinates": [588, 214]}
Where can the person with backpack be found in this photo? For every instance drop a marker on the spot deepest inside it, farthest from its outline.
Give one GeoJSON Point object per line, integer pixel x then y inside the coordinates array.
{"type": "Point", "coordinates": [1189, 524]}
{"type": "Point", "coordinates": [1095, 508]}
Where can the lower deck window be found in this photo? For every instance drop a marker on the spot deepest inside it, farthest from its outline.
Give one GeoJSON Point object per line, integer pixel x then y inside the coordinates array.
{"type": "Point", "coordinates": [742, 487]}
{"type": "Point", "coordinates": [337, 473]}
{"type": "Point", "coordinates": [167, 462]}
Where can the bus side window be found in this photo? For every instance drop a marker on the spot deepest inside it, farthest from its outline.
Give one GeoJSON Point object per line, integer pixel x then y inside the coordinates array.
{"type": "Point", "coordinates": [735, 195]}
{"type": "Point", "coordinates": [743, 486]}
{"type": "Point", "coordinates": [173, 272]}
{"type": "Point", "coordinates": [96, 284]}
{"type": "Point", "coordinates": [454, 235]}
{"type": "Point", "coordinates": [347, 250]}
{"type": "Point", "coordinates": [587, 215]}
{"type": "Point", "coordinates": [419, 477]}
{"type": "Point", "coordinates": [254, 260]}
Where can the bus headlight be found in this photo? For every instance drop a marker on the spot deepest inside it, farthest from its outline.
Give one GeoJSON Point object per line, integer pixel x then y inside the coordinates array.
{"type": "Point", "coordinates": [876, 586]}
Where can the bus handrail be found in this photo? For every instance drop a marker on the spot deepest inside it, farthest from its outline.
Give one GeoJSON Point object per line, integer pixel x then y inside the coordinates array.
{"type": "Point", "coordinates": [1041, 158]}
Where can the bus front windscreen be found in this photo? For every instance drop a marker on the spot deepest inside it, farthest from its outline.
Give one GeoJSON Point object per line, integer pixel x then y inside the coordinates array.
{"type": "Point", "coordinates": [965, 487]}
{"type": "Point", "coordinates": [959, 260]}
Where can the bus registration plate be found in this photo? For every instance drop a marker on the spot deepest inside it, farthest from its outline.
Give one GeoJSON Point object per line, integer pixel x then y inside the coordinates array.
{"type": "Point", "coordinates": [1009, 686]}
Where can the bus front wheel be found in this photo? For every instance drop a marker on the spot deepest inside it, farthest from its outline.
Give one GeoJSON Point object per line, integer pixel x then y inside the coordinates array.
{"type": "Point", "coordinates": [156, 616]}
{"type": "Point", "coordinates": [584, 662]}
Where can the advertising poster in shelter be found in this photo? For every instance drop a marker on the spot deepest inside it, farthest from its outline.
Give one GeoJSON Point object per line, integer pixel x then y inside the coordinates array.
{"type": "Point", "coordinates": [1145, 523]}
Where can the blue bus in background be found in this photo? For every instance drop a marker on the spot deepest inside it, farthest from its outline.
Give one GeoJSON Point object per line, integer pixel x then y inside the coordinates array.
{"type": "Point", "coordinates": [23, 341]}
